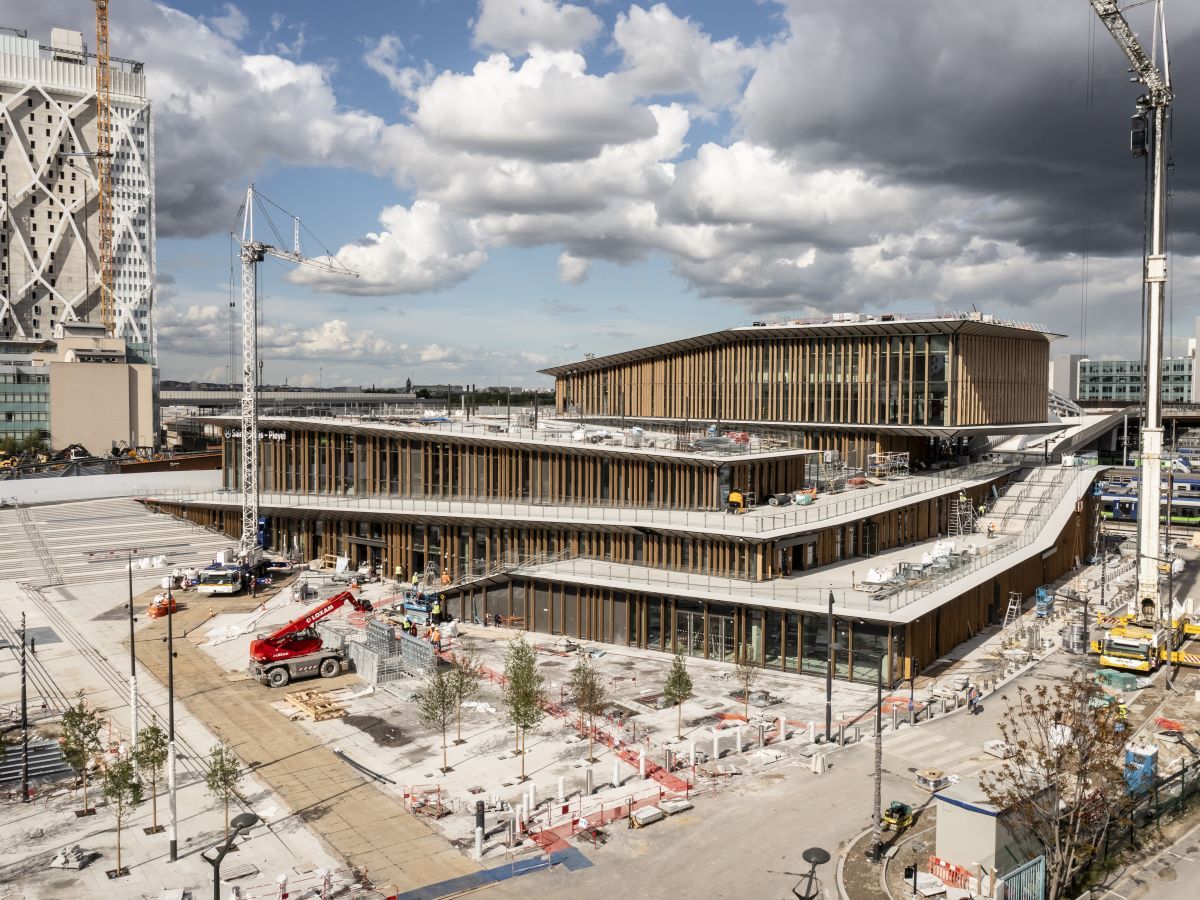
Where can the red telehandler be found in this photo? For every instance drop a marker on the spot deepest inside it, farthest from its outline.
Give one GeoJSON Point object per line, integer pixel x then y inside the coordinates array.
{"type": "Point", "coordinates": [296, 651]}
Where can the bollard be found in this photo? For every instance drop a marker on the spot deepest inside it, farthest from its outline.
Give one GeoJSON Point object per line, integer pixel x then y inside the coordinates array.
{"type": "Point", "coordinates": [642, 762]}
{"type": "Point", "coordinates": [737, 736]}
{"type": "Point", "coordinates": [812, 731]}
{"type": "Point", "coordinates": [857, 734]}
{"type": "Point", "coordinates": [479, 822]}
{"type": "Point", "coordinates": [895, 718]}
{"type": "Point", "coordinates": [692, 753]}
{"type": "Point", "coordinates": [478, 842]}
{"type": "Point", "coordinates": [562, 789]}
{"type": "Point", "coordinates": [912, 715]}
{"type": "Point", "coordinates": [782, 733]}
{"type": "Point", "coordinates": [532, 798]}
{"type": "Point", "coordinates": [762, 736]}
{"type": "Point", "coordinates": [716, 754]}
{"type": "Point", "coordinates": [841, 739]}
{"type": "Point", "coordinates": [616, 775]}
{"type": "Point", "coordinates": [512, 832]}
{"type": "Point", "coordinates": [587, 781]}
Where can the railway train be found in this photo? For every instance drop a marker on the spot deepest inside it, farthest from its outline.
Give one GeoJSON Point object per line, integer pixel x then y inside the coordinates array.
{"type": "Point", "coordinates": [1118, 496]}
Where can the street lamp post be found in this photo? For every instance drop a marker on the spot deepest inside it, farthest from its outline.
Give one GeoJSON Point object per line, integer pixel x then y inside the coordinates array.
{"type": "Point", "coordinates": [240, 823]}
{"type": "Point", "coordinates": [877, 839]}
{"type": "Point", "coordinates": [829, 676]}
{"type": "Point", "coordinates": [173, 833]}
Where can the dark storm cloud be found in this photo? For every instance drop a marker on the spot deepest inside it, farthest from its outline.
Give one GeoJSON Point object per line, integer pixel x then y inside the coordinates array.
{"type": "Point", "coordinates": [987, 99]}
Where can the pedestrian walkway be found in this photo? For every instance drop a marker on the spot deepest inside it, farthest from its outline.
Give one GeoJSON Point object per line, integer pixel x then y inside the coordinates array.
{"type": "Point", "coordinates": [929, 748]}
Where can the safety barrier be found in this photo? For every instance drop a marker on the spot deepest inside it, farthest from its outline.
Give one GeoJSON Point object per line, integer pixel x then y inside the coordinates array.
{"type": "Point", "coordinates": [951, 875]}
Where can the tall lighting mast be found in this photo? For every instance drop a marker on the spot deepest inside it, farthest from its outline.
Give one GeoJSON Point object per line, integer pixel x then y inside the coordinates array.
{"type": "Point", "coordinates": [1149, 139]}
{"type": "Point", "coordinates": [252, 253]}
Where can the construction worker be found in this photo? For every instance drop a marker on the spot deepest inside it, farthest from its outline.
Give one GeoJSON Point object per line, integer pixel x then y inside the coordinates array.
{"type": "Point", "coordinates": [437, 611]}
{"type": "Point", "coordinates": [982, 509]}
{"type": "Point", "coordinates": [445, 576]}
{"type": "Point", "coordinates": [416, 580]}
{"type": "Point", "coordinates": [991, 529]}
{"type": "Point", "coordinates": [436, 639]}
{"type": "Point", "coordinates": [1122, 714]}
{"type": "Point", "coordinates": [399, 574]}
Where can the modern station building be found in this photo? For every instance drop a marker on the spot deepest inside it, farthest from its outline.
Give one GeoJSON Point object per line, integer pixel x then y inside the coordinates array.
{"type": "Point", "coordinates": [861, 447]}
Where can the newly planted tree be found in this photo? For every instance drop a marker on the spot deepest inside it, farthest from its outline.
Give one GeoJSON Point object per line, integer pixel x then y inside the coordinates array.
{"type": "Point", "coordinates": [150, 757]}
{"type": "Point", "coordinates": [1065, 780]}
{"type": "Point", "coordinates": [123, 792]}
{"type": "Point", "coordinates": [523, 695]}
{"type": "Point", "coordinates": [464, 680]}
{"type": "Point", "coordinates": [223, 777]}
{"type": "Point", "coordinates": [677, 690]}
{"type": "Point", "coordinates": [81, 741]}
{"type": "Point", "coordinates": [589, 696]}
{"type": "Point", "coordinates": [437, 704]}
{"type": "Point", "coordinates": [747, 674]}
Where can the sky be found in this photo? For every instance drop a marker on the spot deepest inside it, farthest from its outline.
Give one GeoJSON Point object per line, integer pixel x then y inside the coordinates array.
{"type": "Point", "coordinates": [518, 183]}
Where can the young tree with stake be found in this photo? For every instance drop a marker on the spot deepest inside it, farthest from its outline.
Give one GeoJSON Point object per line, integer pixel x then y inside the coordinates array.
{"type": "Point", "coordinates": [523, 694]}
{"type": "Point", "coordinates": [677, 690]}
{"type": "Point", "coordinates": [149, 758]}
{"type": "Point", "coordinates": [223, 777]}
{"type": "Point", "coordinates": [81, 740]}
{"type": "Point", "coordinates": [1065, 781]}
{"type": "Point", "coordinates": [747, 675]}
{"type": "Point", "coordinates": [589, 696]}
{"type": "Point", "coordinates": [437, 704]}
{"type": "Point", "coordinates": [464, 680]}
{"type": "Point", "coordinates": [123, 792]}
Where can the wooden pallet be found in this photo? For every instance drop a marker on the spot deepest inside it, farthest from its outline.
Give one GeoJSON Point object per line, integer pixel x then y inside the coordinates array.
{"type": "Point", "coordinates": [315, 705]}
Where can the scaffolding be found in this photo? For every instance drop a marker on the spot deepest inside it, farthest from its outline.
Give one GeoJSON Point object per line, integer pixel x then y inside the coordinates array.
{"type": "Point", "coordinates": [888, 465]}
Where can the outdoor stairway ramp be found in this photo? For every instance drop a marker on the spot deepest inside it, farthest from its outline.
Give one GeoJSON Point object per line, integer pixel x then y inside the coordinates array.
{"type": "Point", "coordinates": [1022, 501]}
{"type": "Point", "coordinates": [18, 558]}
{"type": "Point", "coordinates": [71, 533]}
{"type": "Point", "coordinates": [46, 763]}
{"type": "Point", "coordinates": [500, 572]}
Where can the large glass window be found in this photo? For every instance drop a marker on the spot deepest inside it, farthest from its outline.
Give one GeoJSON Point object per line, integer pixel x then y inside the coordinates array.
{"type": "Point", "coordinates": [870, 643]}
{"type": "Point", "coordinates": [772, 638]}
{"type": "Point", "coordinates": [814, 655]}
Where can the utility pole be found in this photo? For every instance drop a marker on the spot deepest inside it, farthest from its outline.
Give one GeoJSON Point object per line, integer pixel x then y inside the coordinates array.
{"type": "Point", "coordinates": [877, 839]}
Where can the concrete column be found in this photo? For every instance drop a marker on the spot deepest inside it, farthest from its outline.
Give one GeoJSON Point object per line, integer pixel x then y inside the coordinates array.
{"type": "Point", "coordinates": [782, 729]}
{"type": "Point", "coordinates": [587, 781]}
{"type": "Point", "coordinates": [738, 737]}
{"type": "Point", "coordinates": [716, 754]}
{"type": "Point", "coordinates": [642, 762]}
{"type": "Point", "coordinates": [520, 817]}
{"type": "Point", "coordinates": [562, 789]}
{"type": "Point", "coordinates": [616, 774]}
{"type": "Point", "coordinates": [812, 731]}
{"type": "Point", "coordinates": [762, 736]}
{"type": "Point", "coordinates": [818, 763]}
{"type": "Point", "coordinates": [532, 797]}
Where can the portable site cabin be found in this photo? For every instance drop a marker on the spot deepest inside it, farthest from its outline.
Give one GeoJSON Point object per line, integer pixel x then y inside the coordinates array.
{"type": "Point", "coordinates": [976, 835]}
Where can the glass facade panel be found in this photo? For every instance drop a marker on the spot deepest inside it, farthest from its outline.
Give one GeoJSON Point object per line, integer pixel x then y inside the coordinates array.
{"type": "Point", "coordinates": [772, 639]}
{"type": "Point", "coordinates": [815, 647]}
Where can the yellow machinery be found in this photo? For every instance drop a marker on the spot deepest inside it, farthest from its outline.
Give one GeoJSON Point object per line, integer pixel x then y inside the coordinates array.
{"type": "Point", "coordinates": [1143, 646]}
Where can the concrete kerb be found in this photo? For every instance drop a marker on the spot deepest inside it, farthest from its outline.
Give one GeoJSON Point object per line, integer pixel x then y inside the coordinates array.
{"type": "Point", "coordinates": [841, 866]}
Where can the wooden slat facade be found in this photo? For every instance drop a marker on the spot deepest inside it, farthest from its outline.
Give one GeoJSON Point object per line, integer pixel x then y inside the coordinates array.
{"type": "Point", "coordinates": [422, 466]}
{"type": "Point", "coordinates": [938, 380]}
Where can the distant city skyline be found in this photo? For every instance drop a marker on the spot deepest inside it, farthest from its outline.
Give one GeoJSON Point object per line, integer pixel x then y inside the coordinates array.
{"type": "Point", "coordinates": [522, 182]}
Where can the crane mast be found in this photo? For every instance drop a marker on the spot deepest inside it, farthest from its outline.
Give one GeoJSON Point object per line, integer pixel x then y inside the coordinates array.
{"type": "Point", "coordinates": [104, 166]}
{"type": "Point", "coordinates": [253, 252]}
{"type": "Point", "coordinates": [1153, 112]}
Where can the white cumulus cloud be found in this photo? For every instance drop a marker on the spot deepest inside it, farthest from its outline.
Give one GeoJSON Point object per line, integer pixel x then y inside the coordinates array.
{"type": "Point", "coordinates": [515, 26]}
{"type": "Point", "coordinates": [573, 269]}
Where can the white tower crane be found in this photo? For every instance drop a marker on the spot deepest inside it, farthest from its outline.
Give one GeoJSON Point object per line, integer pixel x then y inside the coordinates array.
{"type": "Point", "coordinates": [1149, 138]}
{"type": "Point", "coordinates": [252, 253]}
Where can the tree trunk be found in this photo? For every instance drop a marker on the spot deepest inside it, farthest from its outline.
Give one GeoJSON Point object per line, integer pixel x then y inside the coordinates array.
{"type": "Point", "coordinates": [154, 802]}
{"type": "Point", "coordinates": [226, 818]}
{"type": "Point", "coordinates": [85, 803]}
{"type": "Point", "coordinates": [679, 721]}
{"type": "Point", "coordinates": [458, 740]}
{"type": "Point", "coordinates": [591, 734]}
{"type": "Point", "coordinates": [522, 758]}
{"type": "Point", "coordinates": [118, 846]}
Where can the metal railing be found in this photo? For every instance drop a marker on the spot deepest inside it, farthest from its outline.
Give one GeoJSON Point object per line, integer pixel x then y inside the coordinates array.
{"type": "Point", "coordinates": [826, 508]}
{"type": "Point", "coordinates": [788, 590]}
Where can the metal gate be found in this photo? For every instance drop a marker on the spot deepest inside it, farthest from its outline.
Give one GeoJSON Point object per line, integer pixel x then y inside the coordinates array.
{"type": "Point", "coordinates": [1026, 882]}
